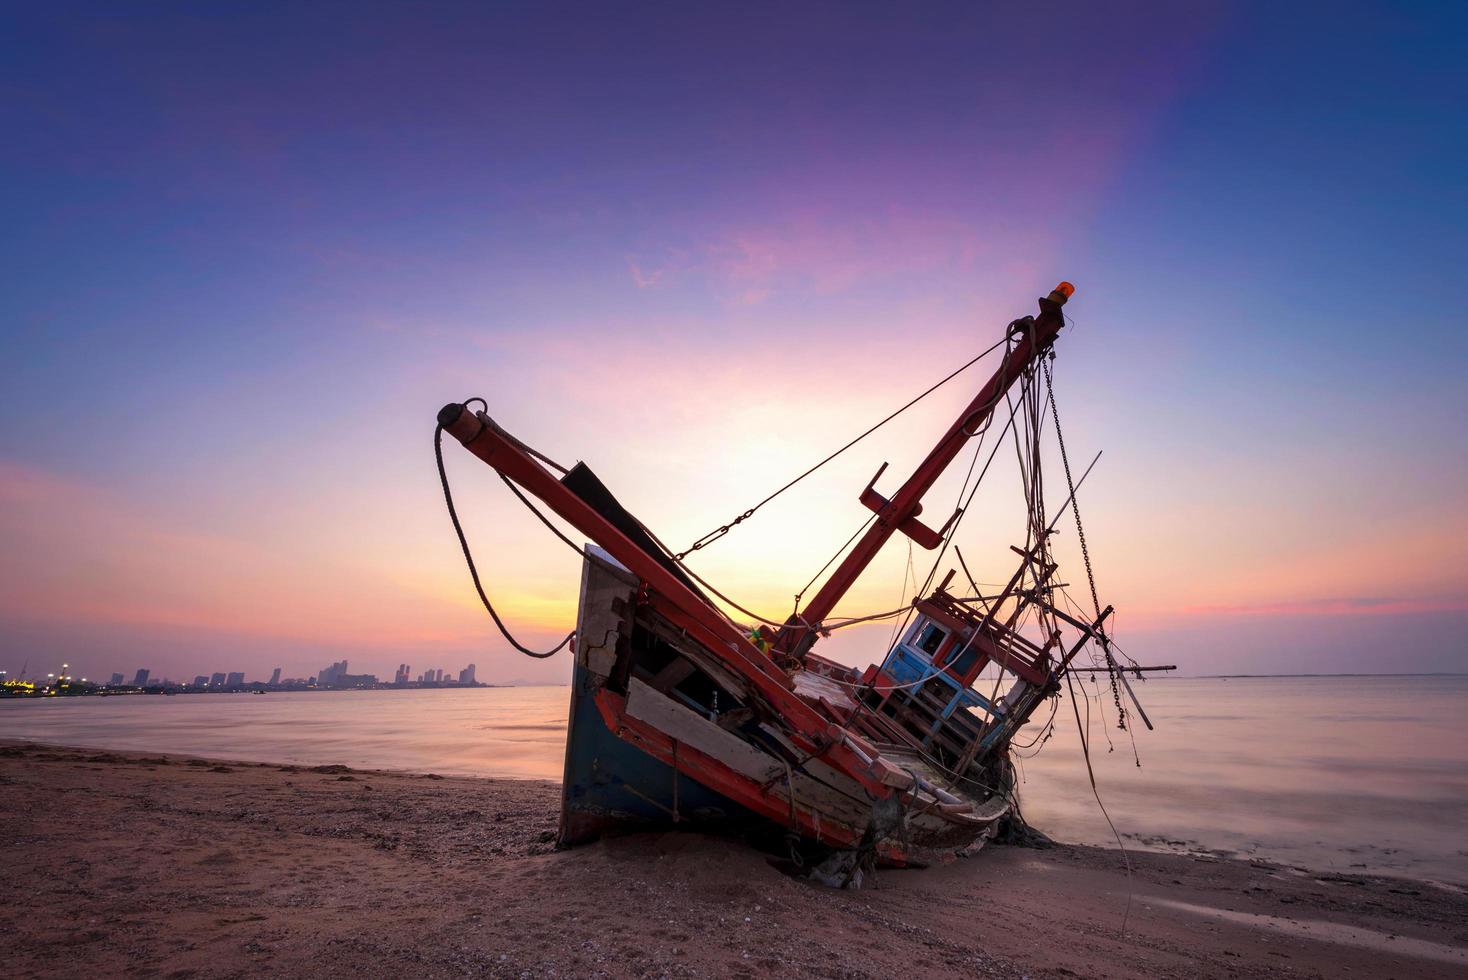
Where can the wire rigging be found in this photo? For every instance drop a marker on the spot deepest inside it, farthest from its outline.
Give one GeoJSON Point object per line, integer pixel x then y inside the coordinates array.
{"type": "Point", "coordinates": [1091, 774]}
{"type": "Point", "coordinates": [724, 529]}
{"type": "Point", "coordinates": [963, 511]}
{"type": "Point", "coordinates": [980, 434]}
{"type": "Point", "coordinates": [1025, 423]}
{"type": "Point", "coordinates": [1111, 665]}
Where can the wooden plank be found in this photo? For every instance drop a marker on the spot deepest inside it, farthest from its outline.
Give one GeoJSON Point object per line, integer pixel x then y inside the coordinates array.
{"type": "Point", "coordinates": [672, 675]}
{"type": "Point", "coordinates": [605, 586]}
{"type": "Point", "coordinates": [686, 726]}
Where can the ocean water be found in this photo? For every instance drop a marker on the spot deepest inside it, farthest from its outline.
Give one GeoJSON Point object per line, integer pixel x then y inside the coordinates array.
{"type": "Point", "coordinates": [1352, 774]}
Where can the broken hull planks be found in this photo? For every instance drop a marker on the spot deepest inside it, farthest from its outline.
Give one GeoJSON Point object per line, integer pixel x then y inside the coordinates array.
{"type": "Point", "coordinates": [612, 786]}
{"type": "Point", "coordinates": [640, 757]}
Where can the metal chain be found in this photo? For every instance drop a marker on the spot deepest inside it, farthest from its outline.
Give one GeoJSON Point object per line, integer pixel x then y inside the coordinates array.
{"type": "Point", "coordinates": [1111, 665]}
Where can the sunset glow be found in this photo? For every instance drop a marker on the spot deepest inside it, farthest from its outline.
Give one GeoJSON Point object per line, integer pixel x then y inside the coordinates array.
{"type": "Point", "coordinates": [235, 306]}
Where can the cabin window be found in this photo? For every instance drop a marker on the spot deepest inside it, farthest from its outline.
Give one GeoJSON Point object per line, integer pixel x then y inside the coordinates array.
{"type": "Point", "coordinates": [930, 639]}
{"type": "Point", "coordinates": [966, 657]}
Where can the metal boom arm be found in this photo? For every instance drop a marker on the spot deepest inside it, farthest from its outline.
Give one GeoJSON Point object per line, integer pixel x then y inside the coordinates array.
{"type": "Point", "coordinates": [900, 513]}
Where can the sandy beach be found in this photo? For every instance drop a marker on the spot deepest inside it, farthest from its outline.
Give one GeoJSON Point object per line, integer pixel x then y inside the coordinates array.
{"type": "Point", "coordinates": [124, 864]}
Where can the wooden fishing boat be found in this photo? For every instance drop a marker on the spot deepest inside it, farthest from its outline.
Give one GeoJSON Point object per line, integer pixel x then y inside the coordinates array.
{"type": "Point", "coordinates": [682, 715]}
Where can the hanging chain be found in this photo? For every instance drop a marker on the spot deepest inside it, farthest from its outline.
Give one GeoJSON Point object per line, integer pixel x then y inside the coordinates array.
{"type": "Point", "coordinates": [1111, 666]}
{"type": "Point", "coordinates": [719, 532]}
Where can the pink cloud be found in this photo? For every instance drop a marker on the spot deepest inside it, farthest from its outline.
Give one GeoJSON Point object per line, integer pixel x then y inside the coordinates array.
{"type": "Point", "coordinates": [826, 253]}
{"type": "Point", "coordinates": [644, 280]}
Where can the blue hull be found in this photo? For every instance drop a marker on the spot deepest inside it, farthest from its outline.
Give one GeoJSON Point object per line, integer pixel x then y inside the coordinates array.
{"type": "Point", "coordinates": [612, 787]}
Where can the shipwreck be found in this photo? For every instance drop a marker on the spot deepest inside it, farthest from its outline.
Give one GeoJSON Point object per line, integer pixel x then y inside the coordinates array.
{"type": "Point", "coordinates": [688, 710]}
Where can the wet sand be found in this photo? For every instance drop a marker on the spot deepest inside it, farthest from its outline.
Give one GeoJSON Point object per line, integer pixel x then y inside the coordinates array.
{"type": "Point", "coordinates": [120, 864]}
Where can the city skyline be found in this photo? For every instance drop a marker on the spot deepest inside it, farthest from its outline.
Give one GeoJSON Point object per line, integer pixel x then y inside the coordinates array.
{"type": "Point", "coordinates": [335, 675]}
{"type": "Point", "coordinates": [699, 282]}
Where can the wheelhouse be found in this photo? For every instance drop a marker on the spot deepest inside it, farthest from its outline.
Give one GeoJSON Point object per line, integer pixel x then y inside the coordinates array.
{"type": "Point", "coordinates": [955, 677]}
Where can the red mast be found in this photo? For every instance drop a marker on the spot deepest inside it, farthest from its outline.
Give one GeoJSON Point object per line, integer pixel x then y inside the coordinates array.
{"type": "Point", "coordinates": [901, 512]}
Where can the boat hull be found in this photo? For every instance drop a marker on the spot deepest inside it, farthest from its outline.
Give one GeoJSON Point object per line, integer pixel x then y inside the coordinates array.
{"type": "Point", "coordinates": [611, 786]}
{"type": "Point", "coordinates": [662, 736]}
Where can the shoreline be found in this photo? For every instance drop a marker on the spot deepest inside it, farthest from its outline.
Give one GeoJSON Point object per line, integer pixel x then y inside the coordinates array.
{"type": "Point", "coordinates": [1137, 842]}
{"type": "Point", "coordinates": [124, 861]}
{"type": "Point", "coordinates": [20, 690]}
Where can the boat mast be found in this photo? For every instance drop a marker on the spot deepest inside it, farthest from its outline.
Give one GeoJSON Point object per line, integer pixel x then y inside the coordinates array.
{"type": "Point", "coordinates": [900, 513]}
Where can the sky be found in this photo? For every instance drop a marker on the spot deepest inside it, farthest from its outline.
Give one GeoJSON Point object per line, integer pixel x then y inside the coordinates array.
{"type": "Point", "coordinates": [250, 249]}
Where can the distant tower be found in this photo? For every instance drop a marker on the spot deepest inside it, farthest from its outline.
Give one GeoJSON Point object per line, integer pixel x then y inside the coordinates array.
{"type": "Point", "coordinates": [275, 677]}
{"type": "Point", "coordinates": [333, 675]}
{"type": "Point", "coordinates": [466, 676]}
{"type": "Point", "coordinates": [116, 680]}
{"type": "Point", "coordinates": [438, 676]}
{"type": "Point", "coordinates": [217, 680]}
{"type": "Point", "coordinates": [235, 679]}
{"type": "Point", "coordinates": [140, 679]}
{"type": "Point", "coordinates": [201, 681]}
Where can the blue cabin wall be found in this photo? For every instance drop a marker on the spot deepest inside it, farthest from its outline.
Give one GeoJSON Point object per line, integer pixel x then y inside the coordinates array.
{"type": "Point", "coordinates": [906, 665]}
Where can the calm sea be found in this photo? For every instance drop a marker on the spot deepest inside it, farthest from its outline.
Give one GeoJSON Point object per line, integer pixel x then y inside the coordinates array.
{"type": "Point", "coordinates": [1365, 774]}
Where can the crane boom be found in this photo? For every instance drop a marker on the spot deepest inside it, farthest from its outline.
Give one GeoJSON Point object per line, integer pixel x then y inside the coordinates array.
{"type": "Point", "coordinates": [901, 512]}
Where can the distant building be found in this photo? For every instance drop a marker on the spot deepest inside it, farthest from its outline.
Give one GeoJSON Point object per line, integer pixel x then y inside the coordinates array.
{"type": "Point", "coordinates": [331, 676]}
{"type": "Point", "coordinates": [401, 677]}
{"type": "Point", "coordinates": [116, 680]}
{"type": "Point", "coordinates": [438, 675]}
{"type": "Point", "coordinates": [466, 676]}
{"type": "Point", "coordinates": [275, 677]}
{"type": "Point", "coordinates": [140, 679]}
{"type": "Point", "coordinates": [336, 676]}
{"type": "Point", "coordinates": [235, 679]}
{"type": "Point", "coordinates": [201, 681]}
{"type": "Point", "coordinates": [217, 680]}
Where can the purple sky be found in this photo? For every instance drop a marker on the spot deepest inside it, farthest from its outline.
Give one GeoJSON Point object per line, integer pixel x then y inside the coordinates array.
{"type": "Point", "coordinates": [251, 249]}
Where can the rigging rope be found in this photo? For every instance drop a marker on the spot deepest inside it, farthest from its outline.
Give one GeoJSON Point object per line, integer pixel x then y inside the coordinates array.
{"type": "Point", "coordinates": [1111, 665]}
{"type": "Point", "coordinates": [722, 530]}
{"type": "Point", "coordinates": [963, 510]}
{"type": "Point", "coordinates": [448, 498]}
{"type": "Point", "coordinates": [978, 448]}
{"type": "Point", "coordinates": [832, 560]}
{"type": "Point", "coordinates": [1086, 751]}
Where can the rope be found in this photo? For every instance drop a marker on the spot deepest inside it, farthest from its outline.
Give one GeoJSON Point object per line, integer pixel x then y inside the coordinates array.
{"type": "Point", "coordinates": [724, 529]}
{"type": "Point", "coordinates": [543, 519]}
{"type": "Point", "coordinates": [832, 560]}
{"type": "Point", "coordinates": [842, 624]}
{"type": "Point", "coordinates": [964, 509]}
{"type": "Point", "coordinates": [1086, 751]}
{"type": "Point", "coordinates": [448, 498]}
{"type": "Point", "coordinates": [1111, 666]}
